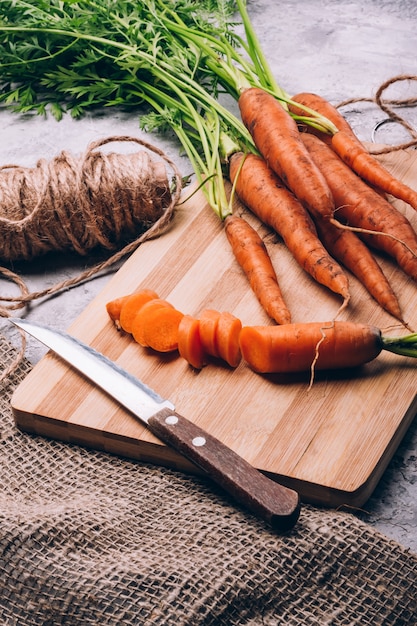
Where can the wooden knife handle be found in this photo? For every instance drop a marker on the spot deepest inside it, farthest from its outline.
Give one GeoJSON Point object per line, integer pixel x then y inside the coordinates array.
{"type": "Point", "coordinates": [276, 504]}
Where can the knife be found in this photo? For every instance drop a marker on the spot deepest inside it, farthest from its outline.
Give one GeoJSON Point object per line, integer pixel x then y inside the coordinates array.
{"type": "Point", "coordinates": [276, 504]}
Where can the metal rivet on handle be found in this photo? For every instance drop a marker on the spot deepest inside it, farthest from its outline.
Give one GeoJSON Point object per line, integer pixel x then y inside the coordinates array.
{"type": "Point", "coordinates": [171, 419]}
{"type": "Point", "coordinates": [199, 441]}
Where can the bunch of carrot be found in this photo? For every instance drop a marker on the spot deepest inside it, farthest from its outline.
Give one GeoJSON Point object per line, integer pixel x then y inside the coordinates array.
{"type": "Point", "coordinates": [296, 182]}
{"type": "Point", "coordinates": [330, 209]}
{"type": "Point", "coordinates": [287, 348]}
{"type": "Point", "coordinates": [324, 194]}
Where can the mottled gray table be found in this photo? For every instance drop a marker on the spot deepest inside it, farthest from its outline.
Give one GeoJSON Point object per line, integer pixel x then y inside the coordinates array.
{"type": "Point", "coordinates": [341, 50]}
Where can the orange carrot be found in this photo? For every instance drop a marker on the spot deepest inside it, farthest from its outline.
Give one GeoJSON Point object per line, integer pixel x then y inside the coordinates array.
{"type": "Point", "coordinates": [361, 207]}
{"type": "Point", "coordinates": [160, 331]}
{"type": "Point", "coordinates": [115, 306]}
{"type": "Point", "coordinates": [208, 326]}
{"type": "Point", "coordinates": [227, 335]}
{"type": "Point", "coordinates": [277, 138]}
{"type": "Point", "coordinates": [264, 194]}
{"type": "Point", "coordinates": [295, 347]}
{"type": "Point", "coordinates": [352, 151]}
{"type": "Point", "coordinates": [132, 305]}
{"type": "Point", "coordinates": [318, 345]}
{"type": "Point", "coordinates": [189, 342]}
{"type": "Point", "coordinates": [252, 256]}
{"type": "Point", "coordinates": [353, 253]}
{"type": "Point", "coordinates": [323, 107]}
{"type": "Point", "coordinates": [367, 167]}
{"type": "Point", "coordinates": [143, 318]}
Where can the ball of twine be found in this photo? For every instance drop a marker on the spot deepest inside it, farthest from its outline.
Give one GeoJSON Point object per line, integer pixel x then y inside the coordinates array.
{"type": "Point", "coordinates": [100, 200]}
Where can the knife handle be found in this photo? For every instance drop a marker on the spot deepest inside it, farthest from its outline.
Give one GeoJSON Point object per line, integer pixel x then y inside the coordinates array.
{"type": "Point", "coordinates": [279, 506]}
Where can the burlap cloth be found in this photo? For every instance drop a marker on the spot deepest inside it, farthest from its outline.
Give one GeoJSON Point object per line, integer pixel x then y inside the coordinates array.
{"type": "Point", "coordinates": [88, 538]}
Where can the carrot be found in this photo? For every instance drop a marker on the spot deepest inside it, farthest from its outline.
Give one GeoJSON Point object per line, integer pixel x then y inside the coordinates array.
{"type": "Point", "coordinates": [323, 107]}
{"type": "Point", "coordinates": [277, 138]}
{"type": "Point", "coordinates": [208, 326]}
{"type": "Point", "coordinates": [115, 306]}
{"type": "Point", "coordinates": [252, 256]}
{"type": "Point", "coordinates": [351, 150]}
{"type": "Point", "coordinates": [227, 338]}
{"type": "Point", "coordinates": [354, 254]}
{"type": "Point", "coordinates": [189, 341]}
{"type": "Point", "coordinates": [160, 331]}
{"type": "Point", "coordinates": [131, 306]}
{"type": "Point", "coordinates": [327, 345]}
{"type": "Point", "coordinates": [363, 208]}
{"type": "Point", "coordinates": [363, 163]}
{"type": "Point", "coordinates": [143, 318]}
{"type": "Point", "coordinates": [266, 196]}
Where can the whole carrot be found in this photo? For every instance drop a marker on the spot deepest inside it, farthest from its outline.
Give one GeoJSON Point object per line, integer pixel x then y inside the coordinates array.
{"type": "Point", "coordinates": [323, 107]}
{"type": "Point", "coordinates": [363, 208]}
{"type": "Point", "coordinates": [277, 138]}
{"type": "Point", "coordinates": [261, 190]}
{"type": "Point", "coordinates": [252, 256]}
{"type": "Point", "coordinates": [346, 144]}
{"type": "Point", "coordinates": [354, 254]}
{"type": "Point", "coordinates": [326, 345]}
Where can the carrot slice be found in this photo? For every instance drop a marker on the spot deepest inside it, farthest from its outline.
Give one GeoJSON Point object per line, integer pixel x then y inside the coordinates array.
{"type": "Point", "coordinates": [115, 306]}
{"type": "Point", "coordinates": [132, 305]}
{"type": "Point", "coordinates": [144, 317]}
{"type": "Point", "coordinates": [208, 326]}
{"type": "Point", "coordinates": [228, 334]}
{"type": "Point", "coordinates": [190, 346]}
{"type": "Point", "coordinates": [160, 329]}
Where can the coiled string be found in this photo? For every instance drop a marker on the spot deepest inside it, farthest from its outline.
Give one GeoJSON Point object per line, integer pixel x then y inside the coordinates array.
{"type": "Point", "coordinates": [386, 105]}
{"type": "Point", "coordinates": [97, 201]}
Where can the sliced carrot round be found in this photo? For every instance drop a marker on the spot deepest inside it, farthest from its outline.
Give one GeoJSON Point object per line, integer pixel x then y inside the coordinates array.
{"type": "Point", "coordinates": [208, 326]}
{"type": "Point", "coordinates": [190, 346]}
{"type": "Point", "coordinates": [144, 317]}
{"type": "Point", "coordinates": [160, 330]}
{"type": "Point", "coordinates": [228, 334]}
{"type": "Point", "coordinates": [132, 305]}
{"type": "Point", "coordinates": [114, 307]}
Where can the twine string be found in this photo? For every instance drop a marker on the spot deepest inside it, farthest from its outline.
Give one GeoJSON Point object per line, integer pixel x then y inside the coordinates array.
{"type": "Point", "coordinates": [386, 105]}
{"type": "Point", "coordinates": [99, 200]}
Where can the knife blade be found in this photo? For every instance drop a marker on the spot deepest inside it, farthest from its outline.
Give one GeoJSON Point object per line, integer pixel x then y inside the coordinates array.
{"type": "Point", "coordinates": [276, 504]}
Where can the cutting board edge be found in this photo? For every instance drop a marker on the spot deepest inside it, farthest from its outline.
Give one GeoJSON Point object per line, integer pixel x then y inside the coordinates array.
{"type": "Point", "coordinates": [130, 448]}
{"type": "Point", "coordinates": [147, 452]}
{"type": "Point", "coordinates": [356, 498]}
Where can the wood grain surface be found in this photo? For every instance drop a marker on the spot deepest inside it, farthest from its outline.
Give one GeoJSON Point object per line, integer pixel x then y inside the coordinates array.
{"type": "Point", "coordinates": [332, 443]}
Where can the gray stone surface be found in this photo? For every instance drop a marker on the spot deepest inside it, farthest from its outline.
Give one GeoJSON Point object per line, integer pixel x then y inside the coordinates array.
{"type": "Point", "coordinates": [339, 49]}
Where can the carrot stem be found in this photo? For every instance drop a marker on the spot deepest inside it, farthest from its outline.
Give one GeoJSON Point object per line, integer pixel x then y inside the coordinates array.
{"type": "Point", "coordinates": [405, 346]}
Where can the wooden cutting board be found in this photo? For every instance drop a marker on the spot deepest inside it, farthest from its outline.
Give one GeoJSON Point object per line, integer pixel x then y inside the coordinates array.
{"type": "Point", "coordinates": [332, 443]}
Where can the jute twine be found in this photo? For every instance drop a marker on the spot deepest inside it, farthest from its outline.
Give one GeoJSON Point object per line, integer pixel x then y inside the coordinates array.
{"type": "Point", "coordinates": [386, 104]}
{"type": "Point", "coordinates": [79, 204]}
{"type": "Point", "coordinates": [98, 200]}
